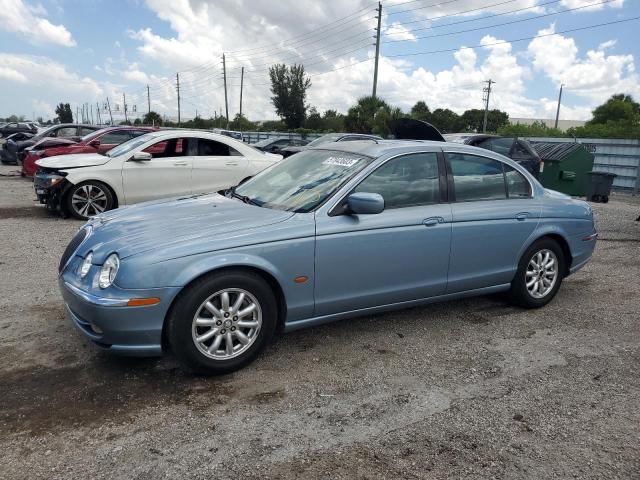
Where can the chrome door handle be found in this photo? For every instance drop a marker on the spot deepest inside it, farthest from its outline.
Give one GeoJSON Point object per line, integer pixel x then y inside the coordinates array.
{"type": "Point", "coordinates": [522, 216]}
{"type": "Point", "coordinates": [231, 163]}
{"type": "Point", "coordinates": [180, 163]}
{"type": "Point", "coordinates": [432, 221]}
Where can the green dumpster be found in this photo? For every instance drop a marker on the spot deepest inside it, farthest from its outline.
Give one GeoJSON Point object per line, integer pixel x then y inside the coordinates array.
{"type": "Point", "coordinates": [564, 167]}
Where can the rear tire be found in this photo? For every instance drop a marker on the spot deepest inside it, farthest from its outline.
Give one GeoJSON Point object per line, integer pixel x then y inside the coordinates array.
{"type": "Point", "coordinates": [212, 336]}
{"type": "Point", "coordinates": [539, 275]}
{"type": "Point", "coordinates": [87, 199]}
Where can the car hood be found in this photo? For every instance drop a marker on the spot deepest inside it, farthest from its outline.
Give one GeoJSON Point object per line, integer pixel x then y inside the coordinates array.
{"type": "Point", "coordinates": [178, 226]}
{"type": "Point", "coordinates": [62, 162]}
{"type": "Point", "coordinates": [53, 142]}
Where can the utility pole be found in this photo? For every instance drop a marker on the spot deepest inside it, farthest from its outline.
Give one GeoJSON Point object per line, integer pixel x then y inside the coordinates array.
{"type": "Point", "coordinates": [178, 88]}
{"type": "Point", "coordinates": [487, 91]}
{"type": "Point", "coordinates": [226, 102]}
{"type": "Point", "coordinates": [148, 100]}
{"type": "Point", "coordinates": [124, 101]}
{"type": "Point", "coordinates": [375, 68]}
{"type": "Point", "coordinates": [98, 116]}
{"type": "Point", "coordinates": [241, 85]}
{"type": "Point", "coordinates": [77, 115]}
{"type": "Point", "coordinates": [83, 113]}
{"type": "Point", "coordinates": [109, 107]}
{"type": "Point", "coordinates": [91, 108]}
{"type": "Point", "coordinates": [558, 110]}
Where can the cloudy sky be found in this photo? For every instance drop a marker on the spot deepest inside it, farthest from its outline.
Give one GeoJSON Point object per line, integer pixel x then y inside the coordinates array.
{"type": "Point", "coordinates": [439, 51]}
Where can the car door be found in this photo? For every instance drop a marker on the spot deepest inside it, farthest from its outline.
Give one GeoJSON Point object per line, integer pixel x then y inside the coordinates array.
{"type": "Point", "coordinates": [216, 165]}
{"type": "Point", "coordinates": [399, 255]}
{"type": "Point", "coordinates": [494, 213]}
{"type": "Point", "coordinates": [167, 174]}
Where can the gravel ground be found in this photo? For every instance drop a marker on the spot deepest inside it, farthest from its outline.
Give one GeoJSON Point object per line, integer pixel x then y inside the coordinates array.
{"type": "Point", "coordinates": [467, 389]}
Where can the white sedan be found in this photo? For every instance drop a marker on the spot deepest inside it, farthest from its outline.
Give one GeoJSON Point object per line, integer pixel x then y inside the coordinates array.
{"type": "Point", "coordinates": [166, 163]}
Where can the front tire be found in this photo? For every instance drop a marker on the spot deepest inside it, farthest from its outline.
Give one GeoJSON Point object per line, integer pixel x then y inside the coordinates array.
{"type": "Point", "coordinates": [89, 198]}
{"type": "Point", "coordinates": [539, 274]}
{"type": "Point", "coordinates": [221, 322]}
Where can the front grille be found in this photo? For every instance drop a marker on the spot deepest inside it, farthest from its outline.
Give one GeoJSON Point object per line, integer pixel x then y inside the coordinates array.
{"type": "Point", "coordinates": [71, 248]}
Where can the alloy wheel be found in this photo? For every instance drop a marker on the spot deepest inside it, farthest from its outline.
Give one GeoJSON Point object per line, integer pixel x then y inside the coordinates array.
{"type": "Point", "coordinates": [542, 273]}
{"type": "Point", "coordinates": [226, 324]}
{"type": "Point", "coordinates": [89, 200]}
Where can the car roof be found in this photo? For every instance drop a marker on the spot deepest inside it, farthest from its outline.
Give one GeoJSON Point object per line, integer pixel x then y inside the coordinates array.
{"type": "Point", "coordinates": [378, 148]}
{"type": "Point", "coordinates": [381, 148]}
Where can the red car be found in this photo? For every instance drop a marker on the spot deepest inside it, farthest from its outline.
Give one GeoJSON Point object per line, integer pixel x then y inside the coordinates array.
{"type": "Point", "coordinates": [100, 141]}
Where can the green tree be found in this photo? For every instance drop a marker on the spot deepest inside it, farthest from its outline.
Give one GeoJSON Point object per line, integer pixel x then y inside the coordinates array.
{"type": "Point", "coordinates": [152, 118]}
{"type": "Point", "coordinates": [63, 111]}
{"type": "Point", "coordinates": [241, 123]}
{"type": "Point", "coordinates": [472, 120]}
{"type": "Point", "coordinates": [333, 121]}
{"type": "Point", "coordinates": [536, 129]}
{"type": "Point", "coordinates": [273, 126]}
{"type": "Point", "coordinates": [619, 107]}
{"type": "Point", "coordinates": [289, 87]}
{"type": "Point", "coordinates": [361, 118]}
{"type": "Point", "coordinates": [445, 120]}
{"type": "Point", "coordinates": [314, 120]}
{"type": "Point", "coordinates": [420, 111]}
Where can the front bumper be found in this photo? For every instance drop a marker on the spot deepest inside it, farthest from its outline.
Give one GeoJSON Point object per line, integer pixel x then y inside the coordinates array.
{"type": "Point", "coordinates": [47, 194]}
{"type": "Point", "coordinates": [110, 324]}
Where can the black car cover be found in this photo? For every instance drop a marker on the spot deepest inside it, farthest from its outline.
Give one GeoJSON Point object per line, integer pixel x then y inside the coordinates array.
{"type": "Point", "coordinates": [410, 129]}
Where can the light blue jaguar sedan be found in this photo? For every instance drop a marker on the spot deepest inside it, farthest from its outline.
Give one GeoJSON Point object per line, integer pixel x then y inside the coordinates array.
{"type": "Point", "coordinates": [334, 232]}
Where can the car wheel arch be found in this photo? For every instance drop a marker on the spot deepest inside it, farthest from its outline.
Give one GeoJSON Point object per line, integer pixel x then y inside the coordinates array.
{"type": "Point", "coordinates": [116, 200]}
{"type": "Point", "coordinates": [561, 241]}
{"type": "Point", "coordinates": [264, 274]}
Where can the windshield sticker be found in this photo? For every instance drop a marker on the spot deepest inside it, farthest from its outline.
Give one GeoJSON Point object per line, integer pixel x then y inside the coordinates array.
{"type": "Point", "coordinates": [341, 161]}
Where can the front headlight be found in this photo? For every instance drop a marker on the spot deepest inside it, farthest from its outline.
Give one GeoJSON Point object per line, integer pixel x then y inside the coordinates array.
{"type": "Point", "coordinates": [109, 271]}
{"type": "Point", "coordinates": [86, 265]}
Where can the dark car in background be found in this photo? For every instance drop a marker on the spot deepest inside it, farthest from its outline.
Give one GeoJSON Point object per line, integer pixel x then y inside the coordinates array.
{"type": "Point", "coordinates": [276, 144]}
{"type": "Point", "coordinates": [17, 127]}
{"type": "Point", "coordinates": [100, 141]}
{"type": "Point", "coordinates": [329, 137]}
{"type": "Point", "coordinates": [514, 148]}
{"type": "Point", "coordinates": [14, 151]}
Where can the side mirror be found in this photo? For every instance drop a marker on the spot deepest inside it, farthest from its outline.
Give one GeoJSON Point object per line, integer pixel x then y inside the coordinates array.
{"type": "Point", "coordinates": [94, 143]}
{"type": "Point", "coordinates": [141, 157]}
{"type": "Point", "coordinates": [362, 203]}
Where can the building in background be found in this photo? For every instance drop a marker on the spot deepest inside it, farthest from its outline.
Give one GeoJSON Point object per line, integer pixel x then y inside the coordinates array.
{"type": "Point", "coordinates": [563, 125]}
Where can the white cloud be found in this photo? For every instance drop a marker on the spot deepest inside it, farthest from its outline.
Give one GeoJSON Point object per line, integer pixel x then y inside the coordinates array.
{"type": "Point", "coordinates": [17, 16]}
{"type": "Point", "coordinates": [595, 76]}
{"type": "Point", "coordinates": [12, 74]}
{"type": "Point", "coordinates": [591, 4]}
{"type": "Point", "coordinates": [397, 31]}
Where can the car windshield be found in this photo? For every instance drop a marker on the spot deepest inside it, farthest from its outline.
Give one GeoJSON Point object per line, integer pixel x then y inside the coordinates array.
{"type": "Point", "coordinates": [331, 137]}
{"type": "Point", "coordinates": [302, 182]}
{"type": "Point", "coordinates": [129, 145]}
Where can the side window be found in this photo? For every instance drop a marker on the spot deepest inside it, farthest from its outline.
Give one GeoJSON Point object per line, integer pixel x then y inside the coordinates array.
{"type": "Point", "coordinates": [176, 147]}
{"type": "Point", "coordinates": [406, 181]}
{"type": "Point", "coordinates": [86, 131]}
{"type": "Point", "coordinates": [477, 178]}
{"type": "Point", "coordinates": [115, 138]}
{"type": "Point", "coordinates": [517, 185]}
{"type": "Point", "coordinates": [137, 133]}
{"type": "Point", "coordinates": [211, 148]}
{"type": "Point", "coordinates": [66, 132]}
{"type": "Point", "coordinates": [502, 145]}
{"type": "Point", "coordinates": [486, 144]}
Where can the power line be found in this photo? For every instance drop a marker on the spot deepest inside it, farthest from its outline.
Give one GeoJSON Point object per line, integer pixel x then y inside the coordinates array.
{"type": "Point", "coordinates": [476, 19]}
{"type": "Point", "coordinates": [455, 14]}
{"type": "Point", "coordinates": [502, 42]}
{"type": "Point", "coordinates": [418, 8]}
{"type": "Point", "coordinates": [499, 24]}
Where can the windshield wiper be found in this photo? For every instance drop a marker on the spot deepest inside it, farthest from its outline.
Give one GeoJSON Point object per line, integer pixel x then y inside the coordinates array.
{"type": "Point", "coordinates": [244, 198]}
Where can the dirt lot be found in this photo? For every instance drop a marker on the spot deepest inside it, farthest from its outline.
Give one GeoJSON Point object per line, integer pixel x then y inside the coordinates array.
{"type": "Point", "coordinates": [471, 389]}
